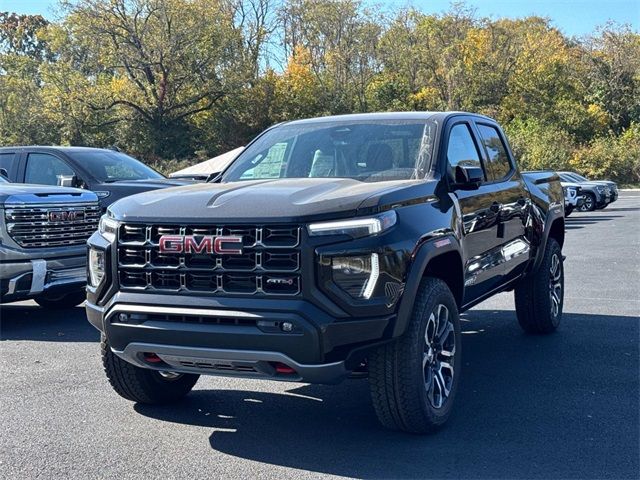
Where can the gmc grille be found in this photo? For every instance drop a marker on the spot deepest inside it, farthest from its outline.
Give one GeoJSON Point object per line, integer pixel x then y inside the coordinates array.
{"type": "Point", "coordinates": [269, 263]}
{"type": "Point", "coordinates": [52, 226]}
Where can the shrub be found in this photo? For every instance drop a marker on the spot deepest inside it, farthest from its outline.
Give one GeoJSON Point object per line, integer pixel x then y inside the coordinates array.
{"type": "Point", "coordinates": [613, 157]}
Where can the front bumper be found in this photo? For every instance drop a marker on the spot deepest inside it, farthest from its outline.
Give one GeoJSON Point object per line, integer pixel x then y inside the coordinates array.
{"type": "Point", "coordinates": [236, 337]}
{"type": "Point", "coordinates": [22, 280]}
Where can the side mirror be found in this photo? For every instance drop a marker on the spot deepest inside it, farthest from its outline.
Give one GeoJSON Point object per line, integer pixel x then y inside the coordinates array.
{"type": "Point", "coordinates": [4, 173]}
{"type": "Point", "coordinates": [469, 178]}
{"type": "Point", "coordinates": [66, 180]}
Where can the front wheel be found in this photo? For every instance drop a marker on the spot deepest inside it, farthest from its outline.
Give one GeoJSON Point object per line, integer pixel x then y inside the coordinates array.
{"type": "Point", "coordinates": [540, 296]}
{"type": "Point", "coordinates": [414, 380]}
{"type": "Point", "coordinates": [141, 384]}
{"type": "Point", "coordinates": [589, 203]}
{"type": "Point", "coordinates": [69, 300]}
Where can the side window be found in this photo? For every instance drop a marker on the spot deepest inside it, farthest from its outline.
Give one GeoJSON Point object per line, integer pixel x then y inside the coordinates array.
{"type": "Point", "coordinates": [498, 166]}
{"type": "Point", "coordinates": [44, 169]}
{"type": "Point", "coordinates": [461, 149]}
{"type": "Point", "coordinates": [6, 162]}
{"type": "Point", "coordinates": [267, 164]}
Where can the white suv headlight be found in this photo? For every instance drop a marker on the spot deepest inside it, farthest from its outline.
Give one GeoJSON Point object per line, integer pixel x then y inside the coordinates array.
{"type": "Point", "coordinates": [96, 267]}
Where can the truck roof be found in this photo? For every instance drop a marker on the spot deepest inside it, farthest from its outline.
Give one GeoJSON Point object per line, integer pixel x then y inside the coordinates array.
{"type": "Point", "coordinates": [55, 147]}
{"type": "Point", "coordinates": [381, 116]}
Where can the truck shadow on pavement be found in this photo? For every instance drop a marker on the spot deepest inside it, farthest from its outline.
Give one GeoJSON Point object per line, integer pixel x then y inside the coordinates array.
{"type": "Point", "coordinates": [583, 220]}
{"type": "Point", "coordinates": [32, 322]}
{"type": "Point", "coordinates": [560, 406]}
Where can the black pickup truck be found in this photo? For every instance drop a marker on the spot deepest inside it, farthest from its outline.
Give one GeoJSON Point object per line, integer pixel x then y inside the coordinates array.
{"type": "Point", "coordinates": [330, 248]}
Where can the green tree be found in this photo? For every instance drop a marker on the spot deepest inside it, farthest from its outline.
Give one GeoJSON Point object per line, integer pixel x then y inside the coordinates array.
{"type": "Point", "coordinates": [166, 61]}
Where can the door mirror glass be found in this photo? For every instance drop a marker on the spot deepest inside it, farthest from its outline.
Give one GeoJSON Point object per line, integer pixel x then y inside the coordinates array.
{"type": "Point", "coordinates": [66, 180]}
{"type": "Point", "coordinates": [469, 178]}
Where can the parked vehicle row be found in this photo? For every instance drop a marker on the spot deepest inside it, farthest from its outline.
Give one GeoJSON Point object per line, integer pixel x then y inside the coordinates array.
{"type": "Point", "coordinates": [596, 194]}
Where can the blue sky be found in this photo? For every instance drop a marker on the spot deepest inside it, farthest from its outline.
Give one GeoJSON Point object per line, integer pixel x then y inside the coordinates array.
{"type": "Point", "coordinates": [573, 17]}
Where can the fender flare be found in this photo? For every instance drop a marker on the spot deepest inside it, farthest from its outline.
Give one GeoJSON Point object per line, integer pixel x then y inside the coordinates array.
{"type": "Point", "coordinates": [423, 254]}
{"type": "Point", "coordinates": [552, 216]}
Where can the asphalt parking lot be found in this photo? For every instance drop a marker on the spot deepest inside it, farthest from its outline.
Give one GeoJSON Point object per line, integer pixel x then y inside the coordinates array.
{"type": "Point", "coordinates": [560, 406]}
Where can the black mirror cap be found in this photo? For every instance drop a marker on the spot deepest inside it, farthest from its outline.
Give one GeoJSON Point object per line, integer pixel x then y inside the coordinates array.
{"type": "Point", "coordinates": [469, 178]}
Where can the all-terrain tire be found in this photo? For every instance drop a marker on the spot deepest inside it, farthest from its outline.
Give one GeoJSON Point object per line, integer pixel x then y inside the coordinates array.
{"type": "Point", "coordinates": [397, 378]}
{"type": "Point", "coordinates": [69, 300]}
{"type": "Point", "coordinates": [534, 295]}
{"type": "Point", "coordinates": [140, 384]}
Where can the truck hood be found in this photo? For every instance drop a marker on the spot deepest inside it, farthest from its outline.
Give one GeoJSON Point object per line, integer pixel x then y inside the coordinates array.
{"type": "Point", "coordinates": [280, 200]}
{"type": "Point", "coordinates": [149, 184]}
{"type": "Point", "coordinates": [14, 194]}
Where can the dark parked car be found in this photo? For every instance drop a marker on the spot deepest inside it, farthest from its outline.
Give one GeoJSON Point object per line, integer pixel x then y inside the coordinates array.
{"type": "Point", "coordinates": [43, 243]}
{"type": "Point", "coordinates": [330, 247]}
{"type": "Point", "coordinates": [597, 194]}
{"type": "Point", "coordinates": [110, 174]}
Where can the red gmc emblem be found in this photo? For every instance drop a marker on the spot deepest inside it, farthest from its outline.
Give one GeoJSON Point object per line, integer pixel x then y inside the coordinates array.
{"type": "Point", "coordinates": [206, 244]}
{"type": "Point", "coordinates": [69, 216]}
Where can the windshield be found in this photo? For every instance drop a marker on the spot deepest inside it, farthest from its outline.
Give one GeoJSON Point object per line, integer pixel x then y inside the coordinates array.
{"type": "Point", "coordinates": [370, 151]}
{"type": "Point", "coordinates": [107, 166]}
{"type": "Point", "coordinates": [573, 177]}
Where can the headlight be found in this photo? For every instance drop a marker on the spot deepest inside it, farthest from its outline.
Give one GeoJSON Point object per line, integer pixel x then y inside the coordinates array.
{"type": "Point", "coordinates": [96, 267]}
{"type": "Point", "coordinates": [600, 188]}
{"type": "Point", "coordinates": [356, 228]}
{"type": "Point", "coordinates": [108, 227]}
{"type": "Point", "coordinates": [356, 275]}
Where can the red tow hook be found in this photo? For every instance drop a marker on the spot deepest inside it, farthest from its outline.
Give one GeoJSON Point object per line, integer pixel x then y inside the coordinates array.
{"type": "Point", "coordinates": [282, 368]}
{"type": "Point", "coordinates": [151, 357]}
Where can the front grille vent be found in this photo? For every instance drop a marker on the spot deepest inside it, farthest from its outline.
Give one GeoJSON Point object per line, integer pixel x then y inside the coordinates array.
{"type": "Point", "coordinates": [268, 265]}
{"type": "Point", "coordinates": [52, 226]}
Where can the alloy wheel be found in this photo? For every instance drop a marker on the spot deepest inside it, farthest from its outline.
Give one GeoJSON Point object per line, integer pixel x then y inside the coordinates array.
{"type": "Point", "coordinates": [555, 285]}
{"type": "Point", "coordinates": [437, 358]}
{"type": "Point", "coordinates": [587, 204]}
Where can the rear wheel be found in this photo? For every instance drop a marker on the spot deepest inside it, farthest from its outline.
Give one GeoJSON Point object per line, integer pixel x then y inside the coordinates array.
{"type": "Point", "coordinates": [141, 384]}
{"type": "Point", "coordinates": [540, 296]}
{"type": "Point", "coordinates": [68, 300]}
{"type": "Point", "coordinates": [414, 380]}
{"type": "Point", "coordinates": [589, 204]}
